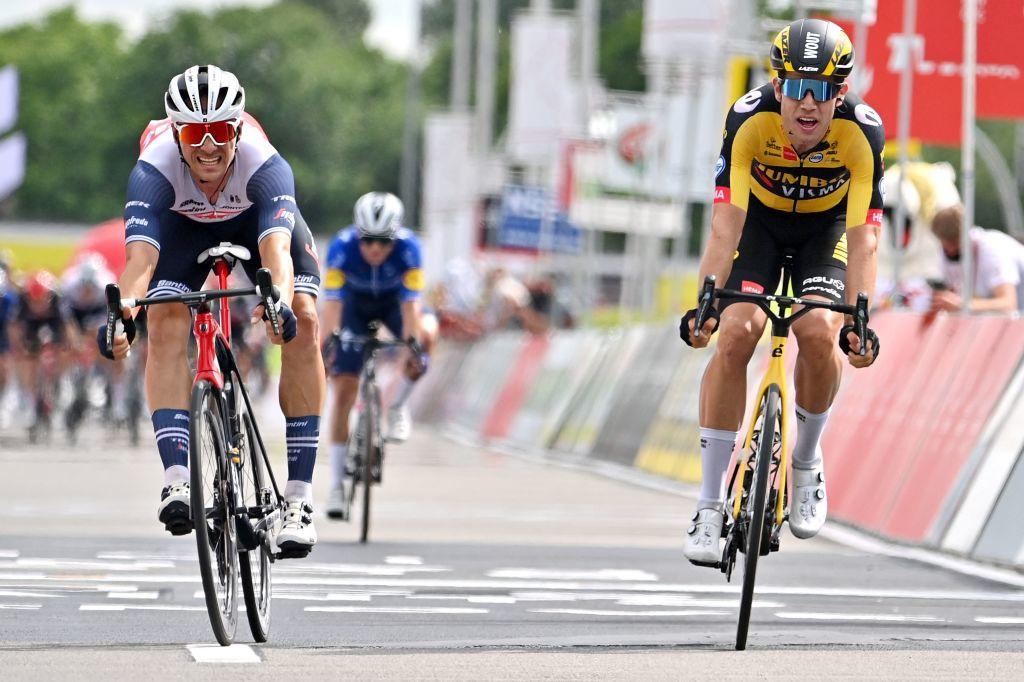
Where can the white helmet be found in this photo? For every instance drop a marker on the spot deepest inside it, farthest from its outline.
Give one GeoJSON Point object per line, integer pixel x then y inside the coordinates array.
{"type": "Point", "coordinates": [189, 91]}
{"type": "Point", "coordinates": [379, 214]}
{"type": "Point", "coordinates": [92, 270]}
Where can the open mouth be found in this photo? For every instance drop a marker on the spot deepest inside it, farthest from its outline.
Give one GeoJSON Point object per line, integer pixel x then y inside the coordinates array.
{"type": "Point", "coordinates": [806, 123]}
{"type": "Point", "coordinates": [208, 161]}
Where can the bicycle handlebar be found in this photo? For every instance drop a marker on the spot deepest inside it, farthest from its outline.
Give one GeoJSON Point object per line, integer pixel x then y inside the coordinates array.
{"type": "Point", "coordinates": [708, 293]}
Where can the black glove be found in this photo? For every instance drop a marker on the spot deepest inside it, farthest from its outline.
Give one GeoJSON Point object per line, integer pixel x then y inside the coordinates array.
{"type": "Point", "coordinates": [101, 336]}
{"type": "Point", "coordinates": [419, 356]}
{"type": "Point", "coordinates": [872, 338]}
{"type": "Point", "coordinates": [286, 319]}
{"type": "Point", "coordinates": [684, 323]}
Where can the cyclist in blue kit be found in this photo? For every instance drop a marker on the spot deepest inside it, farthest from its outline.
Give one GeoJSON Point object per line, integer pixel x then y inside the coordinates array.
{"type": "Point", "coordinates": [208, 174]}
{"type": "Point", "coordinates": [374, 272]}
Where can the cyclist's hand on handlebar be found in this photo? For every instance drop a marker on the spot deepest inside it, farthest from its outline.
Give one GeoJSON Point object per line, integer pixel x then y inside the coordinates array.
{"type": "Point", "coordinates": [850, 344]}
{"type": "Point", "coordinates": [122, 341]}
{"type": "Point", "coordinates": [419, 361]}
{"type": "Point", "coordinates": [289, 324]}
{"type": "Point", "coordinates": [709, 328]}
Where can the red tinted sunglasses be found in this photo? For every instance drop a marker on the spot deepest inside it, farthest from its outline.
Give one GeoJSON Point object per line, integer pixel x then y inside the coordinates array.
{"type": "Point", "coordinates": [194, 134]}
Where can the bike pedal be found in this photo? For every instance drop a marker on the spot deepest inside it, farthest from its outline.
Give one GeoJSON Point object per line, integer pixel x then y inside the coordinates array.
{"type": "Point", "coordinates": [291, 550]}
{"type": "Point", "coordinates": [177, 519]}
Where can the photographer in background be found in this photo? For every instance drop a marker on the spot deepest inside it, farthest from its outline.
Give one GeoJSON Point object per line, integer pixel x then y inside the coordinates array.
{"type": "Point", "coordinates": [998, 263]}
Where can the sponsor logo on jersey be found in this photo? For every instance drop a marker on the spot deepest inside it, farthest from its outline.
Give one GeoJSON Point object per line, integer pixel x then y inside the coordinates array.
{"type": "Point", "coordinates": [748, 287]}
{"type": "Point", "coordinates": [827, 281]}
{"type": "Point", "coordinates": [747, 103]}
{"type": "Point", "coordinates": [719, 166]}
{"type": "Point", "coordinates": [789, 154]}
{"type": "Point", "coordinates": [796, 185]}
{"type": "Point", "coordinates": [286, 215]}
{"type": "Point", "coordinates": [816, 157]}
{"type": "Point", "coordinates": [867, 115]}
{"type": "Point", "coordinates": [142, 204]}
{"type": "Point", "coordinates": [875, 217]}
{"type": "Point", "coordinates": [414, 280]}
{"type": "Point", "coordinates": [135, 221]}
{"type": "Point", "coordinates": [283, 197]}
{"type": "Point", "coordinates": [722, 194]}
{"type": "Point", "coordinates": [335, 279]}
{"type": "Point", "coordinates": [178, 286]}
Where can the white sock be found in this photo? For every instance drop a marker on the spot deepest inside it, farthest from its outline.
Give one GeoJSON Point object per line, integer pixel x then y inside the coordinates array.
{"type": "Point", "coordinates": [405, 385]}
{"type": "Point", "coordinates": [715, 452]}
{"type": "Point", "coordinates": [806, 454]}
{"type": "Point", "coordinates": [175, 474]}
{"type": "Point", "coordinates": [339, 455]}
{"type": "Point", "coordinates": [298, 490]}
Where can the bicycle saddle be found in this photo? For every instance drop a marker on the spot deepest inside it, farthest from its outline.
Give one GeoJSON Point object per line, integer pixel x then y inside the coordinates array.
{"type": "Point", "coordinates": [225, 249]}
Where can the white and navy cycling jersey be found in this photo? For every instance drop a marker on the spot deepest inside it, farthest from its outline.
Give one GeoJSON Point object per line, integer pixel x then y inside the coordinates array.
{"type": "Point", "coordinates": [161, 180]}
{"type": "Point", "coordinates": [167, 209]}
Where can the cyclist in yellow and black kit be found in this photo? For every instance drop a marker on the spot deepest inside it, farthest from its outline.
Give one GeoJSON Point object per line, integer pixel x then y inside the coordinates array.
{"type": "Point", "coordinates": [800, 170]}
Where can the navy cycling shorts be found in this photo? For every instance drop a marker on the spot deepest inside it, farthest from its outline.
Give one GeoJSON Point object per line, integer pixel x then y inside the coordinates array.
{"type": "Point", "coordinates": [182, 240]}
{"type": "Point", "coordinates": [356, 315]}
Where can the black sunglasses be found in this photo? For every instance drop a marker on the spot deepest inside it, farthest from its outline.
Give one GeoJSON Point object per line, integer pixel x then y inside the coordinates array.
{"type": "Point", "coordinates": [383, 241]}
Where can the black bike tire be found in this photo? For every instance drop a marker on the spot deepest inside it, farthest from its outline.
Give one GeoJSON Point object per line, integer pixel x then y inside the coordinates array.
{"type": "Point", "coordinates": [370, 425]}
{"type": "Point", "coordinates": [257, 606]}
{"type": "Point", "coordinates": [757, 501]}
{"type": "Point", "coordinates": [224, 621]}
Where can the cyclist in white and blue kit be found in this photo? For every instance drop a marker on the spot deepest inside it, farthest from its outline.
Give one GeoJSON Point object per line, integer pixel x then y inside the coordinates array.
{"type": "Point", "coordinates": [208, 174]}
{"type": "Point", "coordinates": [374, 272]}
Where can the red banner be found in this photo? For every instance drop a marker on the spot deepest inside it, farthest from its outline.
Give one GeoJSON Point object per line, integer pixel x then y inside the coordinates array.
{"type": "Point", "coordinates": [937, 49]}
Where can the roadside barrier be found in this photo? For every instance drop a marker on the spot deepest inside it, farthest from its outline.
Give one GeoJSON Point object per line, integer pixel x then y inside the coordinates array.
{"type": "Point", "coordinates": [925, 447]}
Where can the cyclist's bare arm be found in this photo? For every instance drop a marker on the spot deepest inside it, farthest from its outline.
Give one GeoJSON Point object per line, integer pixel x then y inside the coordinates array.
{"type": "Point", "coordinates": [275, 255]}
{"type": "Point", "coordinates": [726, 227]}
{"type": "Point", "coordinates": [134, 282]}
{"type": "Point", "coordinates": [330, 316]}
{"type": "Point", "coordinates": [411, 313]}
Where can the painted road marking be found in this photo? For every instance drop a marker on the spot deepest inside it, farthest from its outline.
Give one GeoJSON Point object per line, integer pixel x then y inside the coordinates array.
{"type": "Point", "coordinates": [876, 617]}
{"type": "Point", "coordinates": [8, 554]}
{"type": "Point", "coordinates": [139, 607]}
{"type": "Point", "coordinates": [1000, 620]}
{"type": "Point", "coordinates": [554, 574]}
{"type": "Point", "coordinates": [133, 595]}
{"type": "Point", "coordinates": [393, 609]}
{"type": "Point", "coordinates": [30, 595]}
{"type": "Point", "coordinates": [639, 614]}
{"type": "Point", "coordinates": [404, 560]}
{"type": "Point", "coordinates": [214, 653]}
{"type": "Point", "coordinates": [21, 607]}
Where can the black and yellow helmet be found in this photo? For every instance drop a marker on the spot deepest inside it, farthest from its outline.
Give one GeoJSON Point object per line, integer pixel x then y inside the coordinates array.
{"type": "Point", "coordinates": [813, 47]}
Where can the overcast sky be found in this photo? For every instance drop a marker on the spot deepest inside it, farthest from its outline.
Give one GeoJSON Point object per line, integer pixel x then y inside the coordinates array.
{"type": "Point", "coordinates": [391, 29]}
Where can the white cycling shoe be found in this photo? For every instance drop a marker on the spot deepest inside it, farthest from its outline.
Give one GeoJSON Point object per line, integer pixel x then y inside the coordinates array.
{"type": "Point", "coordinates": [335, 507]}
{"type": "Point", "coordinates": [704, 538]}
{"type": "Point", "coordinates": [399, 424]}
{"type": "Point", "coordinates": [809, 507]}
{"type": "Point", "coordinates": [174, 510]}
{"type": "Point", "coordinates": [297, 535]}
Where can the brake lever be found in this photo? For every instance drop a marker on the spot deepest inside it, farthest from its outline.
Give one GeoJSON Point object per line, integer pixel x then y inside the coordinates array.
{"type": "Point", "coordinates": [113, 313]}
{"type": "Point", "coordinates": [861, 322]}
{"type": "Point", "coordinates": [270, 294]}
{"type": "Point", "coordinates": [707, 295]}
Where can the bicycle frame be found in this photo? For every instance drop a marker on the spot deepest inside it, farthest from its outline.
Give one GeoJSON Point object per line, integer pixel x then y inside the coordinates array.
{"type": "Point", "coordinates": [206, 329]}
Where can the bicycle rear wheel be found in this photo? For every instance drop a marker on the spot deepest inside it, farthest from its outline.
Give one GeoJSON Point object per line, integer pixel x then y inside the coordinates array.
{"type": "Point", "coordinates": [370, 423]}
{"type": "Point", "coordinates": [757, 502]}
{"type": "Point", "coordinates": [212, 501]}
{"type": "Point", "coordinates": [254, 564]}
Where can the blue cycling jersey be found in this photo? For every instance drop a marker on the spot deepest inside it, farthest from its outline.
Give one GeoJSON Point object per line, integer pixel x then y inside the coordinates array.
{"type": "Point", "coordinates": [351, 278]}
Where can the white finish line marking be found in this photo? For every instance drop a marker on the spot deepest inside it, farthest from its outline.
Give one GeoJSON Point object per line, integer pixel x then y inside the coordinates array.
{"type": "Point", "coordinates": [641, 614]}
{"type": "Point", "coordinates": [8, 554]}
{"type": "Point", "coordinates": [404, 560]}
{"type": "Point", "coordinates": [395, 609]}
{"type": "Point", "coordinates": [21, 607]}
{"type": "Point", "coordinates": [1000, 620]}
{"type": "Point", "coordinates": [554, 574]}
{"type": "Point", "coordinates": [139, 607]}
{"type": "Point", "coordinates": [214, 653]}
{"type": "Point", "coordinates": [133, 595]}
{"type": "Point", "coordinates": [866, 617]}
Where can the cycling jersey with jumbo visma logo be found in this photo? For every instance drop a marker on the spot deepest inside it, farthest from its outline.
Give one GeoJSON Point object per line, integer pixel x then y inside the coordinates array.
{"type": "Point", "coordinates": [842, 173]}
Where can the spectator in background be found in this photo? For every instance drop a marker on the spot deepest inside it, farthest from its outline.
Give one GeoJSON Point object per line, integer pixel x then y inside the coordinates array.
{"type": "Point", "coordinates": [997, 260]}
{"type": "Point", "coordinates": [506, 304]}
{"type": "Point", "coordinates": [549, 310]}
{"type": "Point", "coordinates": [456, 300]}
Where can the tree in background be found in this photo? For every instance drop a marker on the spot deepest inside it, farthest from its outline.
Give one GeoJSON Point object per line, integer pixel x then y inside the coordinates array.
{"type": "Point", "coordinates": [332, 106]}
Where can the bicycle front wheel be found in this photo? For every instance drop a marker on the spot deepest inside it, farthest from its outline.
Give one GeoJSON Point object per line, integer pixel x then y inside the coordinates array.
{"type": "Point", "coordinates": [370, 424]}
{"type": "Point", "coordinates": [212, 501]}
{"type": "Point", "coordinates": [254, 564]}
{"type": "Point", "coordinates": [757, 503]}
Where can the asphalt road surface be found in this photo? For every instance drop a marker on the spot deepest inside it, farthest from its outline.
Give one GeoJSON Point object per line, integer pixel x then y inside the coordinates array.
{"type": "Point", "coordinates": [481, 565]}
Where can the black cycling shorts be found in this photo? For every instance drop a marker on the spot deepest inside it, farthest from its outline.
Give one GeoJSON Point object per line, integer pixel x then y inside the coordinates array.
{"type": "Point", "coordinates": [818, 242]}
